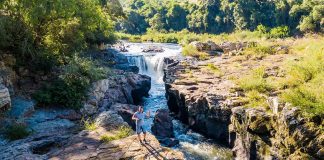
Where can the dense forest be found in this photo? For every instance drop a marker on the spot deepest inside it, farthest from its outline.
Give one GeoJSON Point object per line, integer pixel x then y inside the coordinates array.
{"type": "Point", "coordinates": [218, 16]}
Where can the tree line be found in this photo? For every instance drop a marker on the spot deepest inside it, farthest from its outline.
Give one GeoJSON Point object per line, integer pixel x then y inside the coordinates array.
{"type": "Point", "coordinates": [45, 33]}
{"type": "Point", "coordinates": [221, 16]}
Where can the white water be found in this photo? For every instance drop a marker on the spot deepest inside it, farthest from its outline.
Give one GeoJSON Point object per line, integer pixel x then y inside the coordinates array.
{"type": "Point", "coordinates": [193, 145]}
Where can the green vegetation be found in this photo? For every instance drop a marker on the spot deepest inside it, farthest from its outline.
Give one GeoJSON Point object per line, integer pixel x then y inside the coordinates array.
{"type": "Point", "coordinates": [190, 50]}
{"type": "Point", "coordinates": [49, 36]}
{"type": "Point", "coordinates": [302, 81]}
{"type": "Point", "coordinates": [255, 99]}
{"type": "Point", "coordinates": [305, 83]}
{"type": "Point", "coordinates": [89, 125]}
{"type": "Point", "coordinates": [258, 51]}
{"type": "Point", "coordinates": [255, 81]}
{"type": "Point", "coordinates": [71, 86]}
{"type": "Point", "coordinates": [222, 16]}
{"type": "Point", "coordinates": [256, 88]}
{"type": "Point", "coordinates": [214, 69]}
{"type": "Point", "coordinates": [16, 131]}
{"type": "Point", "coordinates": [122, 132]}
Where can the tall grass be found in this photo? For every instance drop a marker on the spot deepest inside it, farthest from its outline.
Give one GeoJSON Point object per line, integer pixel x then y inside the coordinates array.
{"type": "Point", "coordinates": [305, 82]}
{"type": "Point", "coordinates": [122, 132]}
{"type": "Point", "coordinates": [256, 80]}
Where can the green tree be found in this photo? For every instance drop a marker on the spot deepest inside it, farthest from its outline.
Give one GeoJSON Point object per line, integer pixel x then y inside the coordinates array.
{"type": "Point", "coordinates": [176, 17]}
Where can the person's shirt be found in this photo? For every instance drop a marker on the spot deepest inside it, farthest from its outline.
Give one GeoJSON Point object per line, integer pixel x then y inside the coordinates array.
{"type": "Point", "coordinates": [141, 117]}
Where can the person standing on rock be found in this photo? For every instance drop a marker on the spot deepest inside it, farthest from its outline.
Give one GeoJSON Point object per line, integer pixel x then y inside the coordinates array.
{"type": "Point", "coordinates": [139, 117]}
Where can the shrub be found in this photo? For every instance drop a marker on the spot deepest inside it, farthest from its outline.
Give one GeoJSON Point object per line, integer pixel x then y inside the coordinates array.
{"type": "Point", "coordinates": [16, 131]}
{"type": "Point", "coordinates": [88, 124]}
{"type": "Point", "coordinates": [256, 99]}
{"type": "Point", "coordinates": [305, 84]}
{"type": "Point", "coordinates": [279, 32]}
{"type": "Point", "coordinates": [255, 81]}
{"type": "Point", "coordinates": [304, 70]}
{"type": "Point", "coordinates": [122, 132]}
{"type": "Point", "coordinates": [258, 51]}
{"type": "Point", "coordinates": [190, 50]}
{"type": "Point", "coordinates": [70, 88]}
{"type": "Point", "coordinates": [262, 29]}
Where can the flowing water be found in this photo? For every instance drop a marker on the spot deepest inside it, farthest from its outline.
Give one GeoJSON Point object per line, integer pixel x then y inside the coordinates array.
{"type": "Point", "coordinates": [193, 145]}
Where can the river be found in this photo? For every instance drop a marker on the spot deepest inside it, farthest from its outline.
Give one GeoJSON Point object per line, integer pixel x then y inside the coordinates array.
{"type": "Point", "coordinates": [194, 145]}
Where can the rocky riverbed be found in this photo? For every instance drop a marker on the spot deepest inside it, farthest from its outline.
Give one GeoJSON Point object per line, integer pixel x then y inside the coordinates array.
{"type": "Point", "coordinates": [203, 95]}
{"type": "Point", "coordinates": [56, 133]}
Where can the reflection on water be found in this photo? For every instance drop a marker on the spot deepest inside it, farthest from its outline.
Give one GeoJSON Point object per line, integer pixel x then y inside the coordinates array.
{"type": "Point", "coordinates": [193, 145]}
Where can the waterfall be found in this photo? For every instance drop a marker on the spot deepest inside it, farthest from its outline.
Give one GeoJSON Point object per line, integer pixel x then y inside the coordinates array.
{"type": "Point", "coordinates": [138, 61]}
{"type": "Point", "coordinates": [151, 64]}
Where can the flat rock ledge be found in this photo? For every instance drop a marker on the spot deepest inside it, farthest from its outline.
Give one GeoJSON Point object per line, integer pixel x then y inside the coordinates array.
{"type": "Point", "coordinates": [87, 145]}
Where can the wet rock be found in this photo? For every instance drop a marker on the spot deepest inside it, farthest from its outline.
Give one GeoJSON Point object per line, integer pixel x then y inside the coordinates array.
{"type": "Point", "coordinates": [162, 124]}
{"type": "Point", "coordinates": [5, 100]}
{"type": "Point", "coordinates": [153, 49]}
{"type": "Point", "coordinates": [168, 142]}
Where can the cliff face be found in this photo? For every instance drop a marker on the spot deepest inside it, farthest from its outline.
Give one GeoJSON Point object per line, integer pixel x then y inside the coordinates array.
{"type": "Point", "coordinates": [195, 100]}
{"type": "Point", "coordinates": [285, 134]}
{"type": "Point", "coordinates": [207, 100]}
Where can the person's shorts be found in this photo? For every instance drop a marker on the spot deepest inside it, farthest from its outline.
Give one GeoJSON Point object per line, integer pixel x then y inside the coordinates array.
{"type": "Point", "coordinates": [140, 129]}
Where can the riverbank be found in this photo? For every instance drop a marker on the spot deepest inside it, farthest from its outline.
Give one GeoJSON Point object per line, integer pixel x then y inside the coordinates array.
{"type": "Point", "coordinates": [237, 99]}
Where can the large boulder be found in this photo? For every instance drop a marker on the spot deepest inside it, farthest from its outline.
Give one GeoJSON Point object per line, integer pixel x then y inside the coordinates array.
{"type": "Point", "coordinates": [128, 88]}
{"type": "Point", "coordinates": [162, 124]}
{"type": "Point", "coordinates": [109, 119]}
{"type": "Point", "coordinates": [5, 101]}
{"type": "Point", "coordinates": [208, 46]}
{"type": "Point", "coordinates": [126, 111]}
{"type": "Point", "coordinates": [198, 45]}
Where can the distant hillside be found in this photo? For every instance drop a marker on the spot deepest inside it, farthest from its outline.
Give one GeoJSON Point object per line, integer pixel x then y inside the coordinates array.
{"type": "Point", "coordinates": [218, 16]}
